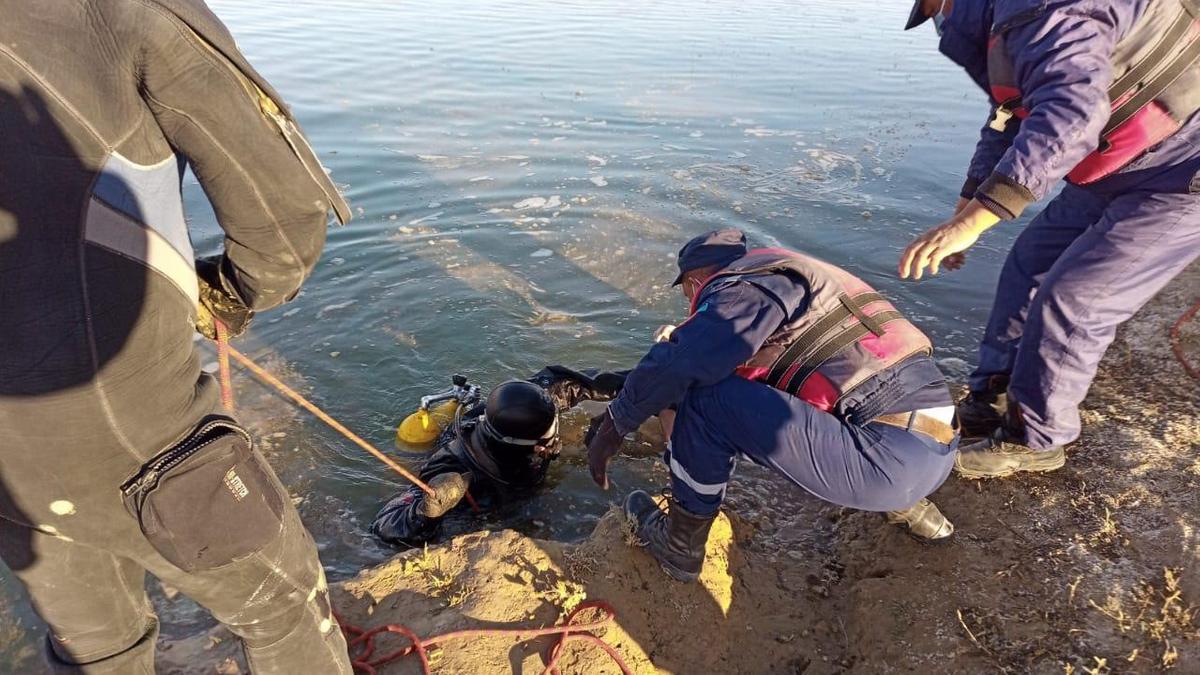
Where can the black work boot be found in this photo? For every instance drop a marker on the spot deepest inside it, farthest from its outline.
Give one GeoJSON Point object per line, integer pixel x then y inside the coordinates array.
{"type": "Point", "coordinates": [1003, 454]}
{"type": "Point", "coordinates": [675, 537]}
{"type": "Point", "coordinates": [924, 521]}
{"type": "Point", "coordinates": [982, 412]}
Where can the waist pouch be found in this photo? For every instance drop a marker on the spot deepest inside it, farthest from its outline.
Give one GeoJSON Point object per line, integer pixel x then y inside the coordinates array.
{"type": "Point", "coordinates": [207, 500]}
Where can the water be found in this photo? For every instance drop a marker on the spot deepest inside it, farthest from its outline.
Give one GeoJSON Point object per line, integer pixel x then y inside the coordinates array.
{"type": "Point", "coordinates": [522, 174]}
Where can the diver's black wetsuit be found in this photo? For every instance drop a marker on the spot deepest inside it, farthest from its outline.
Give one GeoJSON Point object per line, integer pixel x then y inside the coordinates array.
{"type": "Point", "coordinates": [102, 104]}
{"type": "Point", "coordinates": [460, 450]}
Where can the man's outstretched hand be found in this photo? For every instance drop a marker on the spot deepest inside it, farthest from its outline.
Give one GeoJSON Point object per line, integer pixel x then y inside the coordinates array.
{"type": "Point", "coordinates": [603, 443]}
{"type": "Point", "coordinates": [947, 243]}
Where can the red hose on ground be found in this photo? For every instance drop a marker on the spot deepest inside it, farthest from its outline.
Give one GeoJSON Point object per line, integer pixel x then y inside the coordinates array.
{"type": "Point", "coordinates": [364, 640]}
{"type": "Point", "coordinates": [1177, 348]}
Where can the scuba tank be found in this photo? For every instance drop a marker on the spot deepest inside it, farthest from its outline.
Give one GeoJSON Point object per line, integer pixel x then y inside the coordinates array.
{"type": "Point", "coordinates": [436, 413]}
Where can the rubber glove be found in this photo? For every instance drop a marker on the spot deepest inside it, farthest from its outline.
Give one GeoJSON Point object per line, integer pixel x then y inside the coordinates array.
{"type": "Point", "coordinates": [603, 443]}
{"type": "Point", "coordinates": [218, 303]}
{"type": "Point", "coordinates": [569, 387]}
{"type": "Point", "coordinates": [947, 240]}
{"type": "Point", "coordinates": [955, 261]}
{"type": "Point", "coordinates": [448, 491]}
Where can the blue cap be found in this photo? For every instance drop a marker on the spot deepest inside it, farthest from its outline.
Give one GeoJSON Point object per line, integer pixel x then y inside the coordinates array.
{"type": "Point", "coordinates": [916, 17]}
{"type": "Point", "coordinates": [719, 247]}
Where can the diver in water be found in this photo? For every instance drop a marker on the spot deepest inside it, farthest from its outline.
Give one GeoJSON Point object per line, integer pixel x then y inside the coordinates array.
{"type": "Point", "coordinates": [500, 448]}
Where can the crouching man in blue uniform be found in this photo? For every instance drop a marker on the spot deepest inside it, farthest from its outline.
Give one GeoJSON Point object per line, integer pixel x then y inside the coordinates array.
{"type": "Point", "coordinates": [799, 366]}
{"type": "Point", "coordinates": [1105, 95]}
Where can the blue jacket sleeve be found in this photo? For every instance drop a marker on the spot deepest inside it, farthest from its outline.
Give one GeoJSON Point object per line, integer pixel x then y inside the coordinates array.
{"type": "Point", "coordinates": [991, 147]}
{"type": "Point", "coordinates": [1062, 61]}
{"type": "Point", "coordinates": [730, 324]}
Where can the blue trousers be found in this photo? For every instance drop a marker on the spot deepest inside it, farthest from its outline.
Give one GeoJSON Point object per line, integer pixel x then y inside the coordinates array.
{"type": "Point", "coordinates": [873, 467]}
{"type": "Point", "coordinates": [1081, 268]}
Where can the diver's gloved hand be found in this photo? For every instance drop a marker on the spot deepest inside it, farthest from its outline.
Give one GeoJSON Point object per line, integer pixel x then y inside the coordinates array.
{"type": "Point", "coordinates": [603, 443]}
{"type": "Point", "coordinates": [218, 302]}
{"type": "Point", "coordinates": [448, 491]}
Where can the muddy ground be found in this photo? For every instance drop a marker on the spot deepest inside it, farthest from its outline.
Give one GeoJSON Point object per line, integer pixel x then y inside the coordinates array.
{"type": "Point", "coordinates": [1091, 569]}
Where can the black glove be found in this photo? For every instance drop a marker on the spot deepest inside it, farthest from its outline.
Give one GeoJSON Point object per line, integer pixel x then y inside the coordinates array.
{"type": "Point", "coordinates": [218, 302]}
{"type": "Point", "coordinates": [448, 491]}
{"type": "Point", "coordinates": [603, 443]}
{"type": "Point", "coordinates": [569, 387]}
{"type": "Point", "coordinates": [609, 383]}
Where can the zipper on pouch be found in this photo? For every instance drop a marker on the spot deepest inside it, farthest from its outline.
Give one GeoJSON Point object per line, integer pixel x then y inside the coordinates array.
{"type": "Point", "coordinates": [203, 437]}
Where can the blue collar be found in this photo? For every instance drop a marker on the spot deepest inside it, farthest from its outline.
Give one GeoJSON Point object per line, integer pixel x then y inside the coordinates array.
{"type": "Point", "coordinates": [965, 37]}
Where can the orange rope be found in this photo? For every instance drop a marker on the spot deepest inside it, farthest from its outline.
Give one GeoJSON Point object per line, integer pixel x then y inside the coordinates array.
{"type": "Point", "coordinates": [321, 415]}
{"type": "Point", "coordinates": [223, 363]}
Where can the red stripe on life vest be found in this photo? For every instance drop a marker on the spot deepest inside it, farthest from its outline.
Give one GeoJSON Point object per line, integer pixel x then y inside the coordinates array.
{"type": "Point", "coordinates": [1002, 93]}
{"type": "Point", "coordinates": [786, 379]}
{"type": "Point", "coordinates": [754, 373]}
{"type": "Point", "coordinates": [1149, 126]}
{"type": "Point", "coordinates": [819, 392]}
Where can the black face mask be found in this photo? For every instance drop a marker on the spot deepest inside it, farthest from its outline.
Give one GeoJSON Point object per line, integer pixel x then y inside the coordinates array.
{"type": "Point", "coordinates": [519, 466]}
{"type": "Point", "coordinates": [548, 450]}
{"type": "Point", "coordinates": [542, 455]}
{"type": "Point", "coordinates": [965, 34]}
{"type": "Point", "coordinates": [524, 466]}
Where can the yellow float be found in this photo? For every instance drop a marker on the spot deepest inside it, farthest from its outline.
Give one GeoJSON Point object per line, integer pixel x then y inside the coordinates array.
{"type": "Point", "coordinates": [423, 427]}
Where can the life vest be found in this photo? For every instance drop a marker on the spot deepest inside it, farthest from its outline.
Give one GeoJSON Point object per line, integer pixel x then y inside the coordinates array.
{"type": "Point", "coordinates": [849, 333]}
{"type": "Point", "coordinates": [1156, 86]}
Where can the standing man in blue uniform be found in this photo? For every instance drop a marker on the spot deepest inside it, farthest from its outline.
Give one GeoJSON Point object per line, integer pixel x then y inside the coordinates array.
{"type": "Point", "coordinates": [1103, 94]}
{"type": "Point", "coordinates": [797, 365]}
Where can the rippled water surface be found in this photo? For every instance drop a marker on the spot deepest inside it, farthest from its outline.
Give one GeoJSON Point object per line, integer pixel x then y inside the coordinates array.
{"type": "Point", "coordinates": [522, 174]}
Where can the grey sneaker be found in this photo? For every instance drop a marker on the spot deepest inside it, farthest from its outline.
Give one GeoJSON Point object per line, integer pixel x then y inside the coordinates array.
{"type": "Point", "coordinates": [1002, 454]}
{"type": "Point", "coordinates": [923, 520]}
